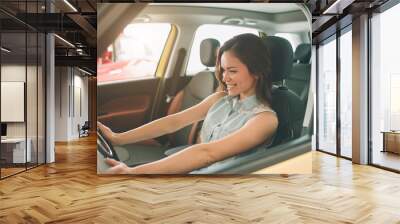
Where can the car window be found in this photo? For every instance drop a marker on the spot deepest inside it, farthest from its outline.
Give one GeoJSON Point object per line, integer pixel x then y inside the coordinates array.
{"type": "Point", "coordinates": [221, 33]}
{"type": "Point", "coordinates": [293, 38]}
{"type": "Point", "coordinates": [135, 53]}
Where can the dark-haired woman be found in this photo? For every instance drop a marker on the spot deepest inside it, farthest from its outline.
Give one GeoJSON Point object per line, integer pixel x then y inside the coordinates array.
{"type": "Point", "coordinates": [236, 119]}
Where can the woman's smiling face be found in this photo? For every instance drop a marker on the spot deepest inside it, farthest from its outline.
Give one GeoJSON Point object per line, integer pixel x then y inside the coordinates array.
{"type": "Point", "coordinates": [236, 76]}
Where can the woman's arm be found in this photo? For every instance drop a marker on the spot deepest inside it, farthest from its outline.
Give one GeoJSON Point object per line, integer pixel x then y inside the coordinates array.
{"type": "Point", "coordinates": [163, 125]}
{"type": "Point", "coordinates": [253, 133]}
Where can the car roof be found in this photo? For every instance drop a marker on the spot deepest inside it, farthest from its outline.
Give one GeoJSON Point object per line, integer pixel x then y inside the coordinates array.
{"type": "Point", "coordinates": [269, 17]}
{"type": "Point", "coordinates": [255, 7]}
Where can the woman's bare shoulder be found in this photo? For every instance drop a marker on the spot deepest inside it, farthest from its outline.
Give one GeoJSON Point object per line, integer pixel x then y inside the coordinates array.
{"type": "Point", "coordinates": [213, 98]}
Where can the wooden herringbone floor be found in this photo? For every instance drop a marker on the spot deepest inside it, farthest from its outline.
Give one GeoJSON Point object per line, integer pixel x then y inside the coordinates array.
{"type": "Point", "coordinates": [69, 191]}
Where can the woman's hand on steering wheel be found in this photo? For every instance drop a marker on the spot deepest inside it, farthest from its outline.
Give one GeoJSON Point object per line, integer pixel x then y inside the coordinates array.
{"type": "Point", "coordinates": [110, 135]}
{"type": "Point", "coordinates": [117, 167]}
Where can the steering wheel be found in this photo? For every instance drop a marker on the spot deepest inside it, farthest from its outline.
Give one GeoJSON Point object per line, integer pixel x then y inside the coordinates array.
{"type": "Point", "coordinates": [105, 147]}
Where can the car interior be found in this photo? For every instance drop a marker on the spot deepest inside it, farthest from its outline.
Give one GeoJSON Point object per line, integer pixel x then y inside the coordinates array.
{"type": "Point", "coordinates": [126, 101]}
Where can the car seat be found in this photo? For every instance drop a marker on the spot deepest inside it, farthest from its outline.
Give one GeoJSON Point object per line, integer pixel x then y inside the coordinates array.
{"type": "Point", "coordinates": [299, 79]}
{"type": "Point", "coordinates": [200, 87]}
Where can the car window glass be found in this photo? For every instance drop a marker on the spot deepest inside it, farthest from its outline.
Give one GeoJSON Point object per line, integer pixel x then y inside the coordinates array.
{"type": "Point", "coordinates": [135, 53]}
{"type": "Point", "coordinates": [221, 33]}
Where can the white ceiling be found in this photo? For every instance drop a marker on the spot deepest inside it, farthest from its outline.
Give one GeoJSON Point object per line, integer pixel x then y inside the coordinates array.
{"type": "Point", "coordinates": [256, 7]}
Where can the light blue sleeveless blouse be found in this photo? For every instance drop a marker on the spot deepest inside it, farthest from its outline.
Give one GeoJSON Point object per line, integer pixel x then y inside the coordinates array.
{"type": "Point", "coordinates": [228, 115]}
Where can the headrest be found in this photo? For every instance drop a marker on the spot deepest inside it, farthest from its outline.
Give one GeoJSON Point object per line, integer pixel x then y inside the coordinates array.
{"type": "Point", "coordinates": [208, 52]}
{"type": "Point", "coordinates": [281, 53]}
{"type": "Point", "coordinates": [303, 53]}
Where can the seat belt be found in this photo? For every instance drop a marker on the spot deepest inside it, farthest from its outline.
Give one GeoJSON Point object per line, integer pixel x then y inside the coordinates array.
{"type": "Point", "coordinates": [175, 75]}
{"type": "Point", "coordinates": [162, 104]}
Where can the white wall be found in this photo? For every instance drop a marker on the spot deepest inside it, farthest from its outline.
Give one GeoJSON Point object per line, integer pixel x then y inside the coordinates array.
{"type": "Point", "coordinates": [80, 118]}
{"type": "Point", "coordinates": [33, 126]}
{"type": "Point", "coordinates": [14, 73]}
{"type": "Point", "coordinates": [61, 103]}
{"type": "Point", "coordinates": [69, 85]}
{"type": "Point", "coordinates": [313, 90]}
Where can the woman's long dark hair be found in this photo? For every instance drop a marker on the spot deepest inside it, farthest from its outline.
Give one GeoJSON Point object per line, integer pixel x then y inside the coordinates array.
{"type": "Point", "coordinates": [252, 52]}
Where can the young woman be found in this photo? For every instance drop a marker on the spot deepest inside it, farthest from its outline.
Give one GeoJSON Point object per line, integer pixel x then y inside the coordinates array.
{"type": "Point", "coordinates": [236, 119]}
